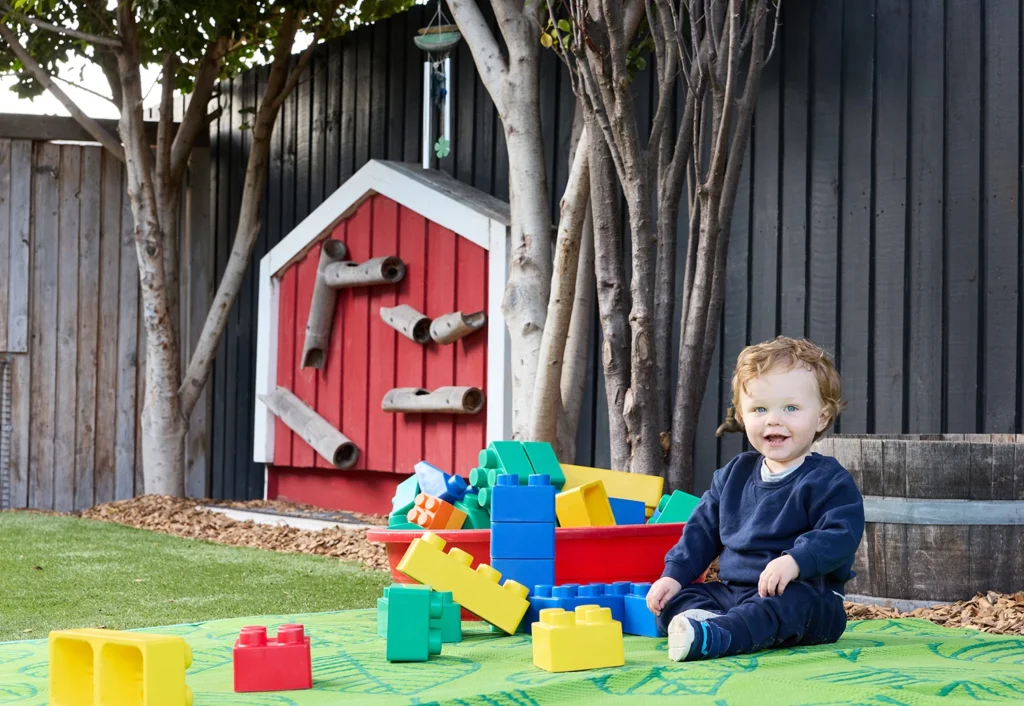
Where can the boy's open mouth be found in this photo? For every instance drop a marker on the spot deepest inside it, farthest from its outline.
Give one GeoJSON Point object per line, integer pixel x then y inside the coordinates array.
{"type": "Point", "coordinates": [775, 439]}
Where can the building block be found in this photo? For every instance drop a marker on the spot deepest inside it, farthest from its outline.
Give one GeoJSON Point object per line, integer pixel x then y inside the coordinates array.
{"type": "Point", "coordinates": [565, 597]}
{"type": "Point", "coordinates": [279, 663]}
{"type": "Point", "coordinates": [637, 617]}
{"type": "Point", "coordinates": [478, 478]}
{"type": "Point", "coordinates": [606, 595]}
{"type": "Point", "coordinates": [450, 622]}
{"type": "Point", "coordinates": [405, 495]}
{"type": "Point", "coordinates": [410, 632]}
{"type": "Point", "coordinates": [584, 506]}
{"type": "Point", "coordinates": [676, 507]}
{"type": "Point", "coordinates": [509, 456]}
{"type": "Point", "coordinates": [654, 518]}
{"type": "Point", "coordinates": [479, 592]}
{"type": "Point", "coordinates": [400, 516]}
{"type": "Point", "coordinates": [533, 502]}
{"type": "Point", "coordinates": [405, 526]}
{"type": "Point", "coordinates": [628, 512]}
{"type": "Point", "coordinates": [522, 540]}
{"type": "Point", "coordinates": [97, 666]}
{"type": "Point", "coordinates": [587, 638]}
{"type": "Point", "coordinates": [433, 481]}
{"type": "Point", "coordinates": [542, 458]}
{"type": "Point", "coordinates": [434, 513]}
{"type": "Point", "coordinates": [528, 572]}
{"type": "Point", "coordinates": [483, 499]}
{"type": "Point", "coordinates": [476, 516]}
{"type": "Point", "coordinates": [456, 489]}
{"type": "Point", "coordinates": [629, 486]}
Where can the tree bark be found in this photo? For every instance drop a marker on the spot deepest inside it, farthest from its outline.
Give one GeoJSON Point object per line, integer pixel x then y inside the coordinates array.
{"type": "Point", "coordinates": [612, 298]}
{"type": "Point", "coordinates": [379, 270]}
{"type": "Point", "coordinates": [163, 421]}
{"type": "Point", "coordinates": [408, 322]}
{"type": "Point", "coordinates": [547, 399]}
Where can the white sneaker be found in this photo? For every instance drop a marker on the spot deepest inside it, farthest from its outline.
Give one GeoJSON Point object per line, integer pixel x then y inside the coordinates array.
{"type": "Point", "coordinates": [700, 615]}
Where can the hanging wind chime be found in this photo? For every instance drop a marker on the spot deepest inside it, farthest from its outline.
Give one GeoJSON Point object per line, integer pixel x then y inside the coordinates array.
{"type": "Point", "coordinates": [437, 39]}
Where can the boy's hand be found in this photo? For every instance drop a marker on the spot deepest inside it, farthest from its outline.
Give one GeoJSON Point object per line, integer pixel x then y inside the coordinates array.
{"type": "Point", "coordinates": [776, 576]}
{"type": "Point", "coordinates": [662, 589]}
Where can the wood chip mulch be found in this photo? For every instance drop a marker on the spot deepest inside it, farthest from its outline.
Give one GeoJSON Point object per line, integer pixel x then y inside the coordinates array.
{"type": "Point", "coordinates": [997, 613]}
{"type": "Point", "coordinates": [185, 518]}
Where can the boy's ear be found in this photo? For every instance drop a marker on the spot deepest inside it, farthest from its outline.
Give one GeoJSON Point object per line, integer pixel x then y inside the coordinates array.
{"type": "Point", "coordinates": [824, 419]}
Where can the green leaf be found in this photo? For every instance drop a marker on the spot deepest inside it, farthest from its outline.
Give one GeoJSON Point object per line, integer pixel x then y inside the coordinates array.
{"type": "Point", "coordinates": [564, 25]}
{"type": "Point", "coordinates": [641, 63]}
{"type": "Point", "coordinates": [442, 147]}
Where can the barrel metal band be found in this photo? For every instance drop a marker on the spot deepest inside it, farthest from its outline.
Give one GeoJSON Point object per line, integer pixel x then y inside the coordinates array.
{"type": "Point", "coordinates": [908, 511]}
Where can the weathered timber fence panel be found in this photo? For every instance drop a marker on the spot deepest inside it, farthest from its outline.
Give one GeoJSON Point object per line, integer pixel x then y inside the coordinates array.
{"type": "Point", "coordinates": [945, 513]}
{"type": "Point", "coordinates": [70, 319]}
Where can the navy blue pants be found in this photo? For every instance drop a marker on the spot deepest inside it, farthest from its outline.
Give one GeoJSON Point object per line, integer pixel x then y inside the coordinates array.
{"type": "Point", "coordinates": [805, 614]}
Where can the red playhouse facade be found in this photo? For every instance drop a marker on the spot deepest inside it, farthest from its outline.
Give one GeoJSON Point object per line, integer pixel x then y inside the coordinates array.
{"type": "Point", "coordinates": [447, 245]}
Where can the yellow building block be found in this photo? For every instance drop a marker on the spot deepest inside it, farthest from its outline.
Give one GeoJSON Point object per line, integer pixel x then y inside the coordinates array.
{"type": "Point", "coordinates": [477, 591]}
{"type": "Point", "coordinates": [570, 642]}
{"type": "Point", "coordinates": [94, 667]}
{"type": "Point", "coordinates": [627, 486]}
{"type": "Point", "coordinates": [585, 506]}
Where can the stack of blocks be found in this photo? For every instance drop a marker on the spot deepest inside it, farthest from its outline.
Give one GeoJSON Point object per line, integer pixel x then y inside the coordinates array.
{"type": "Point", "coordinates": [587, 638]}
{"type": "Point", "coordinates": [477, 591]}
{"type": "Point", "coordinates": [523, 529]}
{"type": "Point", "coordinates": [626, 601]}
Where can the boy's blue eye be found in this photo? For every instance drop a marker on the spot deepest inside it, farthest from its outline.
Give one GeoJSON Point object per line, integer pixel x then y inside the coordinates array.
{"type": "Point", "coordinates": [760, 410]}
{"type": "Point", "coordinates": [790, 407]}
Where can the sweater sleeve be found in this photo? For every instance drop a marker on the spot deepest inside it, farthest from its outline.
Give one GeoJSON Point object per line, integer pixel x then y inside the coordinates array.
{"type": "Point", "coordinates": [838, 519]}
{"type": "Point", "coordinates": [700, 543]}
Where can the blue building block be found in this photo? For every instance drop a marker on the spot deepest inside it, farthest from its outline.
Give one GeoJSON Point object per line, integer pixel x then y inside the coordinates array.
{"type": "Point", "coordinates": [433, 481]}
{"type": "Point", "coordinates": [637, 617]}
{"type": "Point", "coordinates": [405, 495]}
{"type": "Point", "coordinates": [534, 502]}
{"type": "Point", "coordinates": [522, 540]}
{"type": "Point", "coordinates": [455, 489]}
{"type": "Point", "coordinates": [565, 597]}
{"type": "Point", "coordinates": [628, 512]}
{"type": "Point", "coordinates": [606, 595]}
{"type": "Point", "coordinates": [529, 572]}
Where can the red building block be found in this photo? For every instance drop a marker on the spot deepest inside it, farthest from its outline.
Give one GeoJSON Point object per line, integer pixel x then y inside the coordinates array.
{"type": "Point", "coordinates": [279, 663]}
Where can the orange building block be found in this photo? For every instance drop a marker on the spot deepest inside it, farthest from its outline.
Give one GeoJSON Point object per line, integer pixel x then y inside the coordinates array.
{"type": "Point", "coordinates": [433, 513]}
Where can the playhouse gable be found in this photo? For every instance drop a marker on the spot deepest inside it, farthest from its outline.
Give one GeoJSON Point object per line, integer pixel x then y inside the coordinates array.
{"type": "Point", "coordinates": [451, 241]}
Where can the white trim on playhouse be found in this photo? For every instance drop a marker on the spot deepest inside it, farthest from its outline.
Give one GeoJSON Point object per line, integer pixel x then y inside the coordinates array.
{"type": "Point", "coordinates": [469, 213]}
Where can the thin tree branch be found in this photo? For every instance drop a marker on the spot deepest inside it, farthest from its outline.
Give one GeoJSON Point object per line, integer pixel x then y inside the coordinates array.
{"type": "Point", "coordinates": [490, 64]}
{"type": "Point", "coordinates": [86, 89]}
{"type": "Point", "coordinates": [66, 31]}
{"type": "Point", "coordinates": [40, 75]}
{"type": "Point", "coordinates": [724, 129]}
{"type": "Point", "coordinates": [193, 122]}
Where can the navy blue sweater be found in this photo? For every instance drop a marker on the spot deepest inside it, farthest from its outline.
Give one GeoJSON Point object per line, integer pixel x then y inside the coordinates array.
{"type": "Point", "coordinates": [815, 514]}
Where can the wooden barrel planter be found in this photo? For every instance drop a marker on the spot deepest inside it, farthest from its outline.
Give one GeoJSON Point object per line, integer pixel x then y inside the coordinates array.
{"type": "Point", "coordinates": [945, 513]}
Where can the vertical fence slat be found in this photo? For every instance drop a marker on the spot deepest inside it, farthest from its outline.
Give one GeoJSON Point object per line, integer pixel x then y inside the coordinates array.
{"type": "Point", "coordinates": [5, 239]}
{"type": "Point", "coordinates": [128, 352]}
{"type": "Point", "coordinates": [109, 281]}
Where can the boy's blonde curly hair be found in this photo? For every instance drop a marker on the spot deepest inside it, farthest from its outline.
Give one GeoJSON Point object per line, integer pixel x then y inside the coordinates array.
{"type": "Point", "coordinates": [785, 353]}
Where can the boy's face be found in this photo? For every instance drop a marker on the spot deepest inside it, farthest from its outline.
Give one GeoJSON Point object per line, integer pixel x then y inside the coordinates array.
{"type": "Point", "coordinates": [782, 411]}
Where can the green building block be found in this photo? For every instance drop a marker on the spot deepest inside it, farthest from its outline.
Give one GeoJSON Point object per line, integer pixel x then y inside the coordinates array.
{"type": "Point", "coordinates": [404, 526]}
{"type": "Point", "coordinates": [542, 458]}
{"type": "Point", "coordinates": [476, 516]}
{"type": "Point", "coordinates": [478, 478]}
{"type": "Point", "coordinates": [405, 495]}
{"type": "Point", "coordinates": [483, 499]}
{"type": "Point", "coordinates": [675, 508]}
{"type": "Point", "coordinates": [450, 622]}
{"type": "Point", "coordinates": [508, 456]}
{"type": "Point", "coordinates": [405, 616]}
{"type": "Point", "coordinates": [398, 516]}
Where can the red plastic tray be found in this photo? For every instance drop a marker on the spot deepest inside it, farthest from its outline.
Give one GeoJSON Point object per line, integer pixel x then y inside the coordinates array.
{"type": "Point", "coordinates": [582, 554]}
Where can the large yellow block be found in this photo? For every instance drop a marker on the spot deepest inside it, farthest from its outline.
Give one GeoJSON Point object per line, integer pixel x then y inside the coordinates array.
{"type": "Point", "coordinates": [585, 506]}
{"type": "Point", "coordinates": [477, 591]}
{"type": "Point", "coordinates": [627, 486]}
{"type": "Point", "coordinates": [570, 642]}
{"type": "Point", "coordinates": [94, 667]}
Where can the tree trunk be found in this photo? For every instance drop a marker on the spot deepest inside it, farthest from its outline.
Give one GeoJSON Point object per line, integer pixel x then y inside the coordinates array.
{"type": "Point", "coordinates": [611, 294]}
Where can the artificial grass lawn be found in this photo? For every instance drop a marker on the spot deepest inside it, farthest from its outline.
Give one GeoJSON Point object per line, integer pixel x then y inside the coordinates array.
{"type": "Point", "coordinates": [63, 572]}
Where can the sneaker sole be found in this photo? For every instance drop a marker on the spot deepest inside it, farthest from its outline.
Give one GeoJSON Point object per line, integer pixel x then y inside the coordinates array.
{"type": "Point", "coordinates": [680, 638]}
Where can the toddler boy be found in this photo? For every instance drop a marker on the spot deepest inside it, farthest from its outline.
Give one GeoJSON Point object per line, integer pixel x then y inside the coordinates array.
{"type": "Point", "coordinates": [784, 522]}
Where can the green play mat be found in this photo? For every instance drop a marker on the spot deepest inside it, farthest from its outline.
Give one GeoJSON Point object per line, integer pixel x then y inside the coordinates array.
{"type": "Point", "coordinates": [876, 662]}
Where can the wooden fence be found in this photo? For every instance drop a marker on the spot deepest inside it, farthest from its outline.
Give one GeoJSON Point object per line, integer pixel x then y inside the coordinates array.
{"type": "Point", "coordinates": [70, 321]}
